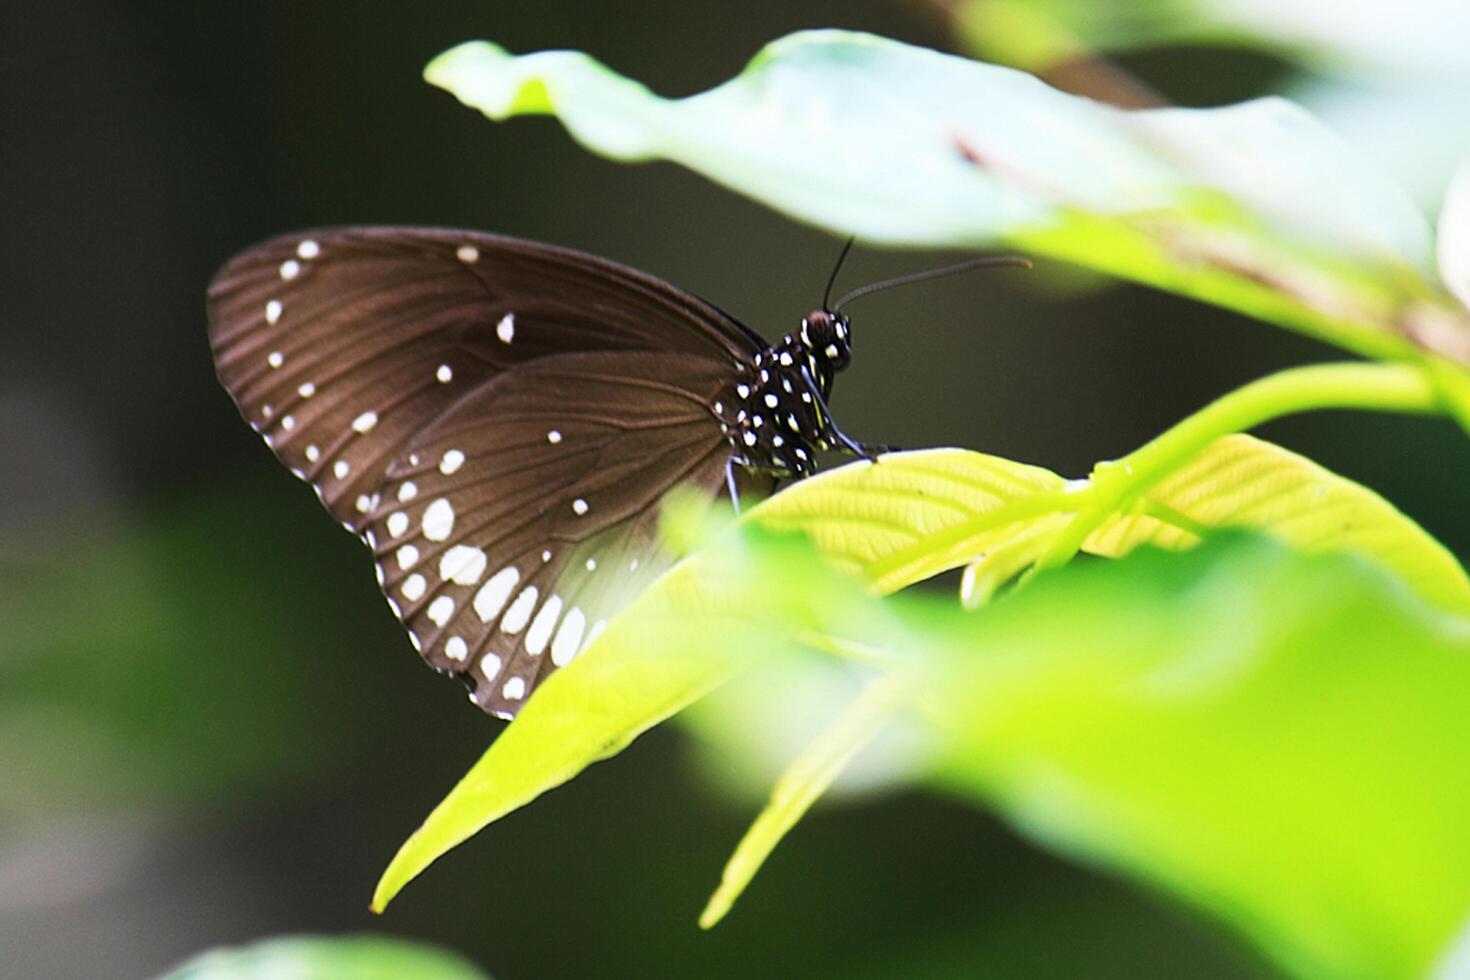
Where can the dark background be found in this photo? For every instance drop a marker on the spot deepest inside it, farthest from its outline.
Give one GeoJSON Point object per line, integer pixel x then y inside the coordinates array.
{"type": "Point", "coordinates": [212, 730]}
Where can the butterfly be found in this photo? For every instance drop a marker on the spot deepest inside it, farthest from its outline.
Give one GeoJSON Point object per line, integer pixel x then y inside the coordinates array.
{"type": "Point", "coordinates": [500, 421]}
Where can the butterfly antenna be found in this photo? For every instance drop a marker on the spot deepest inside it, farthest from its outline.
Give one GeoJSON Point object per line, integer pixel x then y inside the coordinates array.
{"type": "Point", "coordinates": [980, 263]}
{"type": "Point", "coordinates": [832, 279]}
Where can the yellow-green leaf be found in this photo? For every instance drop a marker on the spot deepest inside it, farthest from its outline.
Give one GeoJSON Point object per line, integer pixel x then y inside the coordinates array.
{"type": "Point", "coordinates": [1241, 481]}
{"type": "Point", "coordinates": [912, 515]}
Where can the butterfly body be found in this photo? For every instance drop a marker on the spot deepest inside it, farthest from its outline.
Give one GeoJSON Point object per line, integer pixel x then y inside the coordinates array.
{"type": "Point", "coordinates": [500, 420]}
{"type": "Point", "coordinates": [775, 414]}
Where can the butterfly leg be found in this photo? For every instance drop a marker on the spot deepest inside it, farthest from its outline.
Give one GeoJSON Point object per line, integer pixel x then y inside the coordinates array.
{"type": "Point", "coordinates": [730, 484]}
{"type": "Point", "coordinates": [861, 449]}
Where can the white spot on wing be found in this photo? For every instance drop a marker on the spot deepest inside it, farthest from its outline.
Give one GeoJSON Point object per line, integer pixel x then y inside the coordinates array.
{"type": "Point", "coordinates": [568, 638]}
{"type": "Point", "coordinates": [492, 595]}
{"type": "Point", "coordinates": [445, 374]}
{"type": "Point", "coordinates": [275, 359]}
{"type": "Point", "coordinates": [341, 468]}
{"type": "Point", "coordinates": [414, 586]}
{"type": "Point", "coordinates": [273, 311]}
{"type": "Point", "coordinates": [306, 390]}
{"type": "Point", "coordinates": [455, 648]}
{"type": "Point", "coordinates": [438, 520]}
{"type": "Point", "coordinates": [772, 401]}
{"type": "Point", "coordinates": [288, 422]}
{"type": "Point", "coordinates": [313, 453]}
{"type": "Point", "coordinates": [408, 556]}
{"type": "Point", "coordinates": [365, 421]}
{"type": "Point", "coordinates": [397, 524]}
{"type": "Point", "coordinates": [308, 249]}
{"type": "Point", "coordinates": [540, 632]}
{"type": "Point", "coordinates": [441, 609]}
{"type": "Point", "coordinates": [408, 491]}
{"type": "Point", "coordinates": [489, 666]}
{"type": "Point", "coordinates": [290, 269]}
{"type": "Point", "coordinates": [506, 328]}
{"type": "Point", "coordinates": [467, 254]}
{"type": "Point", "coordinates": [553, 437]}
{"type": "Point", "coordinates": [519, 613]}
{"type": "Point", "coordinates": [452, 461]}
{"type": "Point", "coordinates": [463, 565]}
{"type": "Point", "coordinates": [579, 506]}
{"type": "Point", "coordinates": [514, 689]}
{"type": "Point", "coordinates": [591, 564]}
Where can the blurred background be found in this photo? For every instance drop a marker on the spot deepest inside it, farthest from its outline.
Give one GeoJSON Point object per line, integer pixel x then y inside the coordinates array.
{"type": "Point", "coordinates": [211, 727]}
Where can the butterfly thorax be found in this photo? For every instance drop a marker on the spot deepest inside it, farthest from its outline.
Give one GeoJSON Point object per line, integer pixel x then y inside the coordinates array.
{"type": "Point", "coordinates": [775, 415]}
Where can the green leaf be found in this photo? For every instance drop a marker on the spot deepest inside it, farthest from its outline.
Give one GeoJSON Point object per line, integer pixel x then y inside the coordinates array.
{"type": "Point", "coordinates": [893, 522]}
{"type": "Point", "coordinates": [808, 777]}
{"type": "Point", "coordinates": [1277, 739]}
{"type": "Point", "coordinates": [1255, 206]}
{"type": "Point", "coordinates": [683, 637]}
{"type": "Point", "coordinates": [899, 520]}
{"type": "Point", "coordinates": [589, 710]}
{"type": "Point", "coordinates": [1243, 482]}
{"type": "Point", "coordinates": [328, 958]}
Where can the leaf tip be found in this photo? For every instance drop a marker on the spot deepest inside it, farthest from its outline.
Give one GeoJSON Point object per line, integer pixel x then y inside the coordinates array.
{"type": "Point", "coordinates": [715, 909]}
{"type": "Point", "coordinates": [450, 67]}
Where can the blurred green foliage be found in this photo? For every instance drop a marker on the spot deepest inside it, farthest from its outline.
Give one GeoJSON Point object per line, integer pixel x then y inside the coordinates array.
{"type": "Point", "coordinates": [162, 659]}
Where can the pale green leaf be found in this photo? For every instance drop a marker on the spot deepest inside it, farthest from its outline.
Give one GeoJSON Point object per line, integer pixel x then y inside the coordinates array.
{"type": "Point", "coordinates": [1390, 86]}
{"type": "Point", "coordinates": [1255, 206]}
{"type": "Point", "coordinates": [1422, 38]}
{"type": "Point", "coordinates": [1453, 242]}
{"type": "Point", "coordinates": [1243, 482]}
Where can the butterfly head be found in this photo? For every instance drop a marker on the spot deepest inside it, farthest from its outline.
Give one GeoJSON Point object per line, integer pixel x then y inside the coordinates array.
{"type": "Point", "coordinates": [828, 337]}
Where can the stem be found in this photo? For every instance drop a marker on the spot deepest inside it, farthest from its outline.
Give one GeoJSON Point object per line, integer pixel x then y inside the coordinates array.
{"type": "Point", "coordinates": [1402, 388]}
